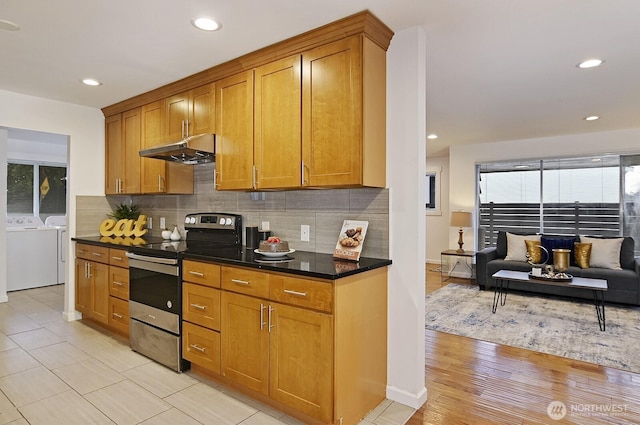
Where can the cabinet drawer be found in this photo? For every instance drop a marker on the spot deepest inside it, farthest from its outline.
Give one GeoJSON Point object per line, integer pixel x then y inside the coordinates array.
{"type": "Point", "coordinates": [306, 293]}
{"type": "Point", "coordinates": [202, 273]}
{"type": "Point", "coordinates": [201, 305]}
{"type": "Point", "coordinates": [201, 346]}
{"type": "Point", "coordinates": [93, 253]}
{"type": "Point", "coordinates": [119, 282]}
{"type": "Point", "coordinates": [118, 257]}
{"type": "Point", "coordinates": [119, 315]}
{"type": "Point", "coordinates": [245, 281]}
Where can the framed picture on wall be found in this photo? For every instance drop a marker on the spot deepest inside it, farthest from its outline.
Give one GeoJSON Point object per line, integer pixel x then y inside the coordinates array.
{"type": "Point", "coordinates": [432, 186]}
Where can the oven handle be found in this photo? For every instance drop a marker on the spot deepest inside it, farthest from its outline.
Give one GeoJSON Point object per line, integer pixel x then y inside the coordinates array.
{"type": "Point", "coordinates": [158, 260]}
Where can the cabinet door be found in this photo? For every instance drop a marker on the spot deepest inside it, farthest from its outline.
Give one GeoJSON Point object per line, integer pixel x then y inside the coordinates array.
{"type": "Point", "coordinates": [176, 115]}
{"type": "Point", "coordinates": [332, 114]}
{"type": "Point", "coordinates": [119, 282]}
{"type": "Point", "coordinates": [202, 110]}
{"type": "Point", "coordinates": [131, 151]}
{"type": "Point", "coordinates": [114, 148]}
{"type": "Point", "coordinates": [277, 132]}
{"type": "Point", "coordinates": [83, 286]}
{"type": "Point", "coordinates": [245, 341]}
{"type": "Point", "coordinates": [234, 132]}
{"type": "Point", "coordinates": [301, 360]}
{"type": "Point", "coordinates": [153, 171]}
{"type": "Point", "coordinates": [119, 315]}
{"type": "Point", "coordinates": [99, 275]}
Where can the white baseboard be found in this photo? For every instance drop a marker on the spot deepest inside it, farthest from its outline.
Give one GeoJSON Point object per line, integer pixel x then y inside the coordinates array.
{"type": "Point", "coordinates": [415, 401]}
{"type": "Point", "coordinates": [70, 316]}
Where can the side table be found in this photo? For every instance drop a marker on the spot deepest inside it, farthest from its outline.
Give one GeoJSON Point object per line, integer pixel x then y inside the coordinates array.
{"type": "Point", "coordinates": [452, 259]}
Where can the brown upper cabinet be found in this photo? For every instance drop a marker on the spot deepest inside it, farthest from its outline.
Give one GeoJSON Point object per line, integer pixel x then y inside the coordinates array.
{"type": "Point", "coordinates": [309, 111]}
{"type": "Point", "coordinates": [122, 143]}
{"type": "Point", "coordinates": [190, 113]}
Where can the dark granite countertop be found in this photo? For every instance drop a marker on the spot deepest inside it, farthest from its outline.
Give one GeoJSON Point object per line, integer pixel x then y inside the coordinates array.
{"type": "Point", "coordinates": [303, 263]}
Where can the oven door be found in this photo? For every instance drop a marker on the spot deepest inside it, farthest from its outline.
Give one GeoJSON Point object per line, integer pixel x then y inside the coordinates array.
{"type": "Point", "coordinates": [155, 282]}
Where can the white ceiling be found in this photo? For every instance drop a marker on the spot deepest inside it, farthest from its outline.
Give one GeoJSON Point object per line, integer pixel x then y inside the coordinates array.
{"type": "Point", "coordinates": [496, 69]}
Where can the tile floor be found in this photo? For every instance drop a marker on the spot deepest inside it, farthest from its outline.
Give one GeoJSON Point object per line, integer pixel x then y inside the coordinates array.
{"type": "Point", "coordinates": [56, 372]}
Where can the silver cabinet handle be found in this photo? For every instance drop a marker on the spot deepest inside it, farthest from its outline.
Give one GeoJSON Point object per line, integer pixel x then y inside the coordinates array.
{"type": "Point", "coordinates": [262, 322]}
{"type": "Point", "coordinates": [118, 315]}
{"type": "Point", "coordinates": [117, 258]}
{"type": "Point", "coordinates": [290, 292]}
{"type": "Point", "coordinates": [88, 270]}
{"type": "Point", "coordinates": [187, 128]}
{"type": "Point", "coordinates": [240, 282]}
{"type": "Point", "coordinates": [196, 273]}
{"type": "Point", "coordinates": [271, 309]}
{"type": "Point", "coordinates": [197, 347]}
{"type": "Point", "coordinates": [182, 130]}
{"type": "Point", "coordinates": [151, 316]}
{"type": "Point", "coordinates": [115, 282]}
{"type": "Point", "coordinates": [199, 307]}
{"type": "Point", "coordinates": [159, 183]}
{"type": "Point", "coordinates": [302, 173]}
{"type": "Point", "coordinates": [96, 254]}
{"type": "Point", "coordinates": [253, 177]}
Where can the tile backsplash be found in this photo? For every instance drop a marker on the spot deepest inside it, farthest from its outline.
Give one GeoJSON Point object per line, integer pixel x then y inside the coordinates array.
{"type": "Point", "coordinates": [323, 210]}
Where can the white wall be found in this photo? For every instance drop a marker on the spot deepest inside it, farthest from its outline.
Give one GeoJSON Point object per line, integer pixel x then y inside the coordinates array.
{"type": "Point", "coordinates": [4, 137]}
{"type": "Point", "coordinates": [85, 128]}
{"type": "Point", "coordinates": [406, 150]}
{"type": "Point", "coordinates": [437, 232]}
{"type": "Point", "coordinates": [463, 159]}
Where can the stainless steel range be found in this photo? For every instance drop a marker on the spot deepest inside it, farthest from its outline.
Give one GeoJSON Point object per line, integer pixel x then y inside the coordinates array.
{"type": "Point", "coordinates": [155, 284]}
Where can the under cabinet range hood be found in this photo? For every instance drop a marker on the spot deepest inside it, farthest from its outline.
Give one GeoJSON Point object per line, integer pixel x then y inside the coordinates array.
{"type": "Point", "coordinates": [197, 149]}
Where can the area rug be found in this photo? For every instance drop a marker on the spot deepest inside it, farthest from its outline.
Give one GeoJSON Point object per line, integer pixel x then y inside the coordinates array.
{"type": "Point", "coordinates": [557, 326]}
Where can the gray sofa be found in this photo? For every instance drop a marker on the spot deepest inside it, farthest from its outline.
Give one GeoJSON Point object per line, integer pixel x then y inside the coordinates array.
{"type": "Point", "coordinates": [623, 285]}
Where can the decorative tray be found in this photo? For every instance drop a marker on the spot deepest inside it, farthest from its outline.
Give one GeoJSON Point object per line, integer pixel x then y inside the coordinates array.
{"type": "Point", "coordinates": [565, 278]}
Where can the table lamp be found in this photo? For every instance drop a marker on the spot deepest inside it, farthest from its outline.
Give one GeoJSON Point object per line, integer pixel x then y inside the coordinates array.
{"type": "Point", "coordinates": [460, 219]}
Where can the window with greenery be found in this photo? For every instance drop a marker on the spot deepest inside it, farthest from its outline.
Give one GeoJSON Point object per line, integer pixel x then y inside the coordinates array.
{"type": "Point", "coordinates": [36, 189]}
{"type": "Point", "coordinates": [557, 196]}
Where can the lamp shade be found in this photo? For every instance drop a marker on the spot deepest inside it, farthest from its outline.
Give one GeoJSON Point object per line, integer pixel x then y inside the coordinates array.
{"type": "Point", "coordinates": [461, 219]}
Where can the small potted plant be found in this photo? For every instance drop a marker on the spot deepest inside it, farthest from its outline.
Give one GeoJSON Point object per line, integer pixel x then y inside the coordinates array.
{"type": "Point", "coordinates": [124, 211]}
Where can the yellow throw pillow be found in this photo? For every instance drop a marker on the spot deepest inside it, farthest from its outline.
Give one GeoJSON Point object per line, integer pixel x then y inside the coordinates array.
{"type": "Point", "coordinates": [534, 253]}
{"type": "Point", "coordinates": [582, 254]}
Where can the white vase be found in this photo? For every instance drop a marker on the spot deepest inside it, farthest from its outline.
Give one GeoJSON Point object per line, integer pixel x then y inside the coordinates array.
{"type": "Point", "coordinates": [175, 235]}
{"type": "Point", "coordinates": [166, 235]}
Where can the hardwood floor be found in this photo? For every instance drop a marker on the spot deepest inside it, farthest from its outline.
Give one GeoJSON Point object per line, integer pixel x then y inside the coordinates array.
{"type": "Point", "coordinates": [476, 382]}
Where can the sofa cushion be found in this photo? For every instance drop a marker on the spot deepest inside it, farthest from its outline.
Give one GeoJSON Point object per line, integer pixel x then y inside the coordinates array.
{"type": "Point", "coordinates": [627, 251]}
{"type": "Point", "coordinates": [605, 253]}
{"type": "Point", "coordinates": [582, 254]}
{"type": "Point", "coordinates": [558, 242]}
{"type": "Point", "coordinates": [516, 246]}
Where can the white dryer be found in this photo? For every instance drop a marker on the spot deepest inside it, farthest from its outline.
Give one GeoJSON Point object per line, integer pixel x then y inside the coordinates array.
{"type": "Point", "coordinates": [59, 222]}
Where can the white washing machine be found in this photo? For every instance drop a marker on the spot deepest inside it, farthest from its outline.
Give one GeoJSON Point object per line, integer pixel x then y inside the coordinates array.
{"type": "Point", "coordinates": [32, 253]}
{"type": "Point", "coordinates": [59, 222]}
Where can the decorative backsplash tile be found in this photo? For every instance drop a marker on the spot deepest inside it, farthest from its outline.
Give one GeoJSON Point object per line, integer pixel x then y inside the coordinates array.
{"type": "Point", "coordinates": [323, 210]}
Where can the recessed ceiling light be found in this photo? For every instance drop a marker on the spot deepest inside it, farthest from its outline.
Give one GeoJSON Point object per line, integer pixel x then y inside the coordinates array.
{"type": "Point", "coordinates": [432, 136]}
{"type": "Point", "coordinates": [91, 82]}
{"type": "Point", "coordinates": [590, 63]}
{"type": "Point", "coordinates": [8, 26]}
{"type": "Point", "coordinates": [591, 118]}
{"type": "Point", "coordinates": [205, 24]}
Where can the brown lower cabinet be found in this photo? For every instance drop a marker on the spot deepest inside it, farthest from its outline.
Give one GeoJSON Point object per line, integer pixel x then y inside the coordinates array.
{"type": "Point", "coordinates": [102, 286]}
{"type": "Point", "coordinates": [311, 347]}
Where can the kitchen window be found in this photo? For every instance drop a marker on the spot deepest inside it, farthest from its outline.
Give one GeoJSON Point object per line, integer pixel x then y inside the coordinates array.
{"type": "Point", "coordinates": [36, 188]}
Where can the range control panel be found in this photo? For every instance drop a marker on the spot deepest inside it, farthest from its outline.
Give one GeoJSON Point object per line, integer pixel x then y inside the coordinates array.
{"type": "Point", "coordinates": [219, 221]}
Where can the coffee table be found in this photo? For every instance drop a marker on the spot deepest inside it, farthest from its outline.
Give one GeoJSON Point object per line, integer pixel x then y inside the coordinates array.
{"type": "Point", "coordinates": [597, 286]}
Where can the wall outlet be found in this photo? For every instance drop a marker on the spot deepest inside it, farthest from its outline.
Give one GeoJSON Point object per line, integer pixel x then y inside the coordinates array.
{"type": "Point", "coordinates": [163, 225]}
{"type": "Point", "coordinates": [149, 223]}
{"type": "Point", "coordinates": [304, 232]}
{"type": "Point", "coordinates": [265, 226]}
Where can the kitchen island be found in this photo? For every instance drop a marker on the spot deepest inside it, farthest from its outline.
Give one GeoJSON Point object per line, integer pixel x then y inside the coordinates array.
{"type": "Point", "coordinates": [307, 336]}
